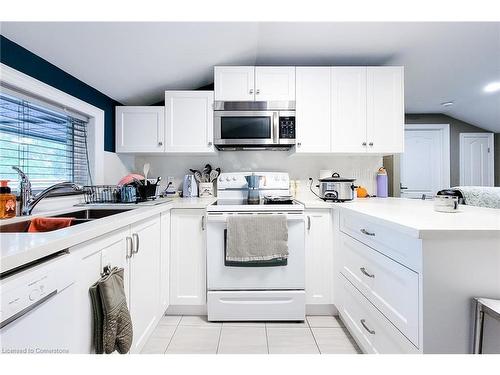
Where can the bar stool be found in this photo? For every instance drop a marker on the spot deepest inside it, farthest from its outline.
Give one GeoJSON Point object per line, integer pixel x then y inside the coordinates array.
{"type": "Point", "coordinates": [490, 307]}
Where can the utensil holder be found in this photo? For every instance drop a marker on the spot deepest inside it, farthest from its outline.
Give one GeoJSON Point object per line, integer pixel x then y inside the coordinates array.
{"type": "Point", "coordinates": [206, 189]}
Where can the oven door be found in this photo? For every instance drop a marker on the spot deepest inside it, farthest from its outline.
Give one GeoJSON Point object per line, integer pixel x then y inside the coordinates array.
{"type": "Point", "coordinates": [246, 127]}
{"type": "Point", "coordinates": [224, 276]}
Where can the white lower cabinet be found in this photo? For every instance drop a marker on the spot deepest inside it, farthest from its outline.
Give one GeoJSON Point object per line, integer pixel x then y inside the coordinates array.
{"type": "Point", "coordinates": [188, 257]}
{"type": "Point", "coordinates": [319, 257]}
{"type": "Point", "coordinates": [137, 250]}
{"type": "Point", "coordinates": [373, 332]}
{"type": "Point", "coordinates": [144, 280]}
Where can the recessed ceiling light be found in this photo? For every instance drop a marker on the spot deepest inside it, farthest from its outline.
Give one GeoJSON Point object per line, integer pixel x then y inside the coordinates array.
{"type": "Point", "coordinates": [492, 87]}
{"type": "Point", "coordinates": [447, 104]}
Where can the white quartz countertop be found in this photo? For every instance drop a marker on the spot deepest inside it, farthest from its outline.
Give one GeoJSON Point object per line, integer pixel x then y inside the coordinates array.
{"type": "Point", "coordinates": [417, 218]}
{"type": "Point", "coordinates": [18, 249]}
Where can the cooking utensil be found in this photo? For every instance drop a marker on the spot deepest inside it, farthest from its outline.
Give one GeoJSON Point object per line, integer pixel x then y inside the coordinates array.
{"type": "Point", "coordinates": [213, 175]}
{"type": "Point", "coordinates": [146, 169]}
{"type": "Point", "coordinates": [197, 175]}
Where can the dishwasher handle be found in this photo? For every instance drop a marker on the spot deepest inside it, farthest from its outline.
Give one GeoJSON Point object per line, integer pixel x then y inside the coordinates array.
{"type": "Point", "coordinates": [27, 309]}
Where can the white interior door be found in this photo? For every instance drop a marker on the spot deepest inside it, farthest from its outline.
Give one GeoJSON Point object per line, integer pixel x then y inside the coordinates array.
{"type": "Point", "coordinates": [425, 163]}
{"type": "Point", "coordinates": [476, 159]}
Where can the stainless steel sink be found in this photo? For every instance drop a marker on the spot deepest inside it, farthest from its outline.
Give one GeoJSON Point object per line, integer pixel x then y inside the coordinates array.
{"type": "Point", "coordinates": [93, 213]}
{"type": "Point", "coordinates": [22, 226]}
{"type": "Point", "coordinates": [80, 216]}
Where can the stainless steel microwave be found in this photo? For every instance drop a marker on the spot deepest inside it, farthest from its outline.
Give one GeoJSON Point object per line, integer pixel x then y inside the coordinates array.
{"type": "Point", "coordinates": [254, 125]}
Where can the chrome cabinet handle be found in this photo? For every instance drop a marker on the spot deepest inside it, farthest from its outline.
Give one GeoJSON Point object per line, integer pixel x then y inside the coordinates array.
{"type": "Point", "coordinates": [251, 91]}
{"type": "Point", "coordinates": [136, 246]}
{"type": "Point", "coordinates": [363, 144]}
{"type": "Point", "coordinates": [160, 143]}
{"type": "Point", "coordinates": [363, 323]}
{"type": "Point", "coordinates": [363, 269]}
{"type": "Point", "coordinates": [370, 144]}
{"type": "Point", "coordinates": [203, 223]}
{"type": "Point", "coordinates": [299, 144]}
{"type": "Point", "coordinates": [210, 143]}
{"type": "Point", "coordinates": [364, 231]}
{"type": "Point", "coordinates": [309, 223]}
{"type": "Point", "coordinates": [257, 91]}
{"type": "Point", "coordinates": [129, 247]}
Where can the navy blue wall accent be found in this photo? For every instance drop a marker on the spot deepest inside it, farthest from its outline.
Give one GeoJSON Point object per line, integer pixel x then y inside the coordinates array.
{"type": "Point", "coordinates": [21, 59]}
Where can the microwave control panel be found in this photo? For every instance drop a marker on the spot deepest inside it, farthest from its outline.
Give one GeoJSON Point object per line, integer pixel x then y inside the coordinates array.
{"type": "Point", "coordinates": [287, 127]}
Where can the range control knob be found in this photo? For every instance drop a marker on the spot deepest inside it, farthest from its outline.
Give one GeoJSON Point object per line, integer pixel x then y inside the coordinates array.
{"type": "Point", "coordinates": [234, 178]}
{"type": "Point", "coordinates": [228, 179]}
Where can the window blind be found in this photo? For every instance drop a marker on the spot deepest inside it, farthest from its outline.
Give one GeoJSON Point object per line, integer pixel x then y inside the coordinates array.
{"type": "Point", "coordinates": [46, 142]}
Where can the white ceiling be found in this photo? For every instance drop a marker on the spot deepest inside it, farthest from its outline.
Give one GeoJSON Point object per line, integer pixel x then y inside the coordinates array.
{"type": "Point", "coordinates": [135, 62]}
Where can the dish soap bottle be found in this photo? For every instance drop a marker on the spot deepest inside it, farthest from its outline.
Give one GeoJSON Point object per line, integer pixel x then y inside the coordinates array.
{"type": "Point", "coordinates": [7, 201]}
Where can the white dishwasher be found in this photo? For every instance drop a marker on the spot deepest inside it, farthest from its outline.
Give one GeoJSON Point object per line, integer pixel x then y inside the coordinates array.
{"type": "Point", "coordinates": [37, 308]}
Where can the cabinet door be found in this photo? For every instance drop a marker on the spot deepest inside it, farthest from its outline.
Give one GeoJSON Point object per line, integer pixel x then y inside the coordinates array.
{"type": "Point", "coordinates": [189, 121]}
{"type": "Point", "coordinates": [313, 120]}
{"type": "Point", "coordinates": [187, 257]}
{"type": "Point", "coordinates": [274, 83]}
{"type": "Point", "coordinates": [165, 262]}
{"type": "Point", "coordinates": [109, 249]}
{"type": "Point", "coordinates": [349, 109]}
{"type": "Point", "coordinates": [234, 83]}
{"type": "Point", "coordinates": [385, 109]}
{"type": "Point", "coordinates": [145, 280]}
{"type": "Point", "coordinates": [319, 257]}
{"type": "Point", "coordinates": [140, 129]}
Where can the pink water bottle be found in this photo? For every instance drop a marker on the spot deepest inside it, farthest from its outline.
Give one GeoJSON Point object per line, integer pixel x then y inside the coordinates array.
{"type": "Point", "coordinates": [382, 183]}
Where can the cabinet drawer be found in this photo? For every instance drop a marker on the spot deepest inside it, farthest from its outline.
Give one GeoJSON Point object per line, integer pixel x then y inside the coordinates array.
{"type": "Point", "coordinates": [396, 245]}
{"type": "Point", "coordinates": [374, 333]}
{"type": "Point", "coordinates": [391, 287]}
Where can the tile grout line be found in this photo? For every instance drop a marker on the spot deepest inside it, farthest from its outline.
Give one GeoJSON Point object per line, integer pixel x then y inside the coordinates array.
{"type": "Point", "coordinates": [220, 335]}
{"type": "Point", "coordinates": [314, 337]}
{"type": "Point", "coordinates": [173, 334]}
{"type": "Point", "coordinates": [267, 338]}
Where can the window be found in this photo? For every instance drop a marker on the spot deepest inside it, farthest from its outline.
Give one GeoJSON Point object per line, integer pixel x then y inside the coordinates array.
{"type": "Point", "coordinates": [46, 142]}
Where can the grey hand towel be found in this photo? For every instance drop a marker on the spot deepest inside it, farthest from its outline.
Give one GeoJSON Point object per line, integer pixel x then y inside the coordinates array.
{"type": "Point", "coordinates": [112, 322]}
{"type": "Point", "coordinates": [257, 237]}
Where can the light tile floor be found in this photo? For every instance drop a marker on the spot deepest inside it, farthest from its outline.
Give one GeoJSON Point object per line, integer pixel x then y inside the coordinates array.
{"type": "Point", "coordinates": [195, 335]}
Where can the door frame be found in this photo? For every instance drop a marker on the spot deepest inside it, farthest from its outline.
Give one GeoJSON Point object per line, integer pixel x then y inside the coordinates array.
{"type": "Point", "coordinates": [445, 144]}
{"type": "Point", "coordinates": [491, 155]}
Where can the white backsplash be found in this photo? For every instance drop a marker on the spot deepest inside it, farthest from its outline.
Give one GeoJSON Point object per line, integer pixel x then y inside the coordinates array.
{"type": "Point", "coordinates": [299, 167]}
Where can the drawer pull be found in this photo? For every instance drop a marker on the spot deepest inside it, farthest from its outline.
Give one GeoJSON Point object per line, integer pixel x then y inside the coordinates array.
{"type": "Point", "coordinates": [363, 269]}
{"type": "Point", "coordinates": [364, 231]}
{"type": "Point", "coordinates": [370, 331]}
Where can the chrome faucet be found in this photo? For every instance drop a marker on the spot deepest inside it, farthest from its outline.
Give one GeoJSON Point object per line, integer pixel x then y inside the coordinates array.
{"type": "Point", "coordinates": [28, 201]}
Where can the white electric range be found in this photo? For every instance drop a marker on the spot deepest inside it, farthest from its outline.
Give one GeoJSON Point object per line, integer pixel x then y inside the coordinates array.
{"type": "Point", "coordinates": [254, 293]}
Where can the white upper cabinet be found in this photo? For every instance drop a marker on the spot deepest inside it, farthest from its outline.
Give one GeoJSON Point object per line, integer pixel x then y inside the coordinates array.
{"type": "Point", "coordinates": [385, 109]}
{"type": "Point", "coordinates": [274, 83]}
{"type": "Point", "coordinates": [313, 119]}
{"type": "Point", "coordinates": [250, 83]}
{"type": "Point", "coordinates": [348, 109]}
{"type": "Point", "coordinates": [189, 121]}
{"type": "Point", "coordinates": [234, 83]}
{"type": "Point", "coordinates": [140, 129]}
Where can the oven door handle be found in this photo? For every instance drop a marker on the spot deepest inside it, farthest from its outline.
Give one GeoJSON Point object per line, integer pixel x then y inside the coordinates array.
{"type": "Point", "coordinates": [223, 218]}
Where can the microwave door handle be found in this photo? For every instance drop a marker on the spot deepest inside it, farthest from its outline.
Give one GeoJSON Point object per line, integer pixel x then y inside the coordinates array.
{"type": "Point", "coordinates": [275, 131]}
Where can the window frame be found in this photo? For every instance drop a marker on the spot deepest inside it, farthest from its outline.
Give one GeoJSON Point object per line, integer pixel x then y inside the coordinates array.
{"type": "Point", "coordinates": [95, 133]}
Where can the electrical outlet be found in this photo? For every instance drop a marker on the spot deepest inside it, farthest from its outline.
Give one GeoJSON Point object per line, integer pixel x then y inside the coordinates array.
{"type": "Point", "coordinates": [171, 181]}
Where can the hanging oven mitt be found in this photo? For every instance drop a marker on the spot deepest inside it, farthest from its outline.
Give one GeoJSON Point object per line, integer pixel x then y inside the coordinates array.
{"type": "Point", "coordinates": [97, 317]}
{"type": "Point", "coordinates": [112, 322]}
{"type": "Point", "coordinates": [117, 325]}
